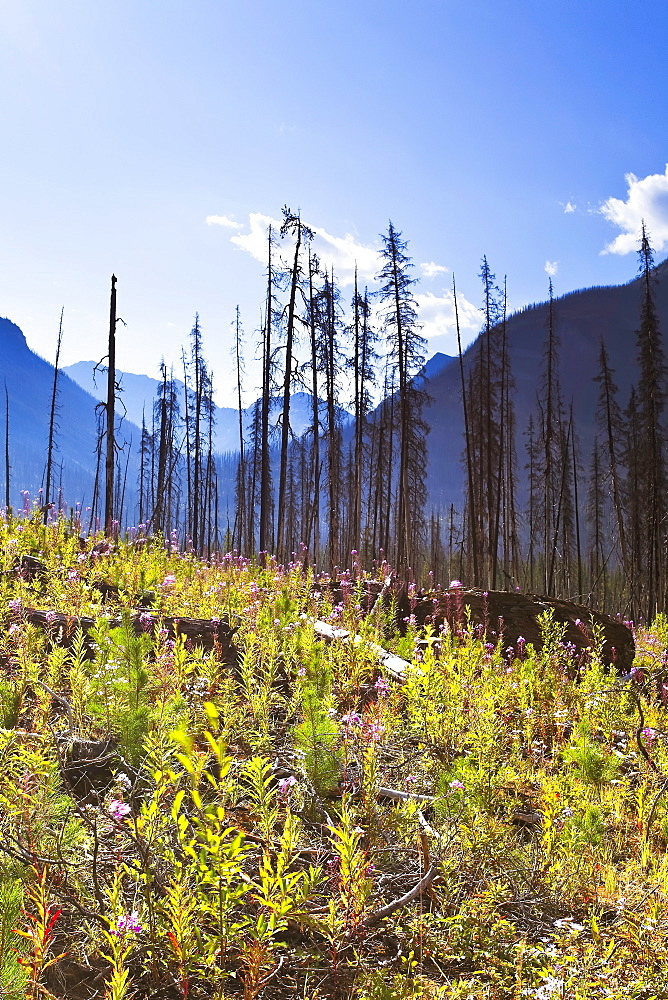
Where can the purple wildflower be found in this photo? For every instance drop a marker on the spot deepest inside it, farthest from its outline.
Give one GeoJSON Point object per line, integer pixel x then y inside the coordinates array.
{"type": "Point", "coordinates": [118, 810]}
{"type": "Point", "coordinates": [382, 687]}
{"type": "Point", "coordinates": [128, 923]}
{"type": "Point", "coordinates": [285, 785]}
{"type": "Point", "coordinates": [373, 731]}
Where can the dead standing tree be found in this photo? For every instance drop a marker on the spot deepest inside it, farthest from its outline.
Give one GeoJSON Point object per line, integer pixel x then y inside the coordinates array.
{"type": "Point", "coordinates": [292, 226]}
{"type": "Point", "coordinates": [52, 422]}
{"type": "Point", "coordinates": [7, 465]}
{"type": "Point", "coordinates": [406, 355]}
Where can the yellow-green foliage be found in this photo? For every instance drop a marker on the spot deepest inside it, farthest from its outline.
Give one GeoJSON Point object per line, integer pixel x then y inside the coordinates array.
{"type": "Point", "coordinates": [258, 815]}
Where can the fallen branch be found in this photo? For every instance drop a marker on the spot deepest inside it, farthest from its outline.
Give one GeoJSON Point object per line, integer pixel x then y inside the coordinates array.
{"type": "Point", "coordinates": [61, 701]}
{"type": "Point", "coordinates": [397, 796]}
{"type": "Point", "coordinates": [385, 911]}
{"type": "Point", "coordinates": [393, 665]}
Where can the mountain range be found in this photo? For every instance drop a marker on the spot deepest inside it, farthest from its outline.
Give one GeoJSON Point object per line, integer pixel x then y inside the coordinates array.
{"type": "Point", "coordinates": [139, 391]}
{"type": "Point", "coordinates": [582, 319]}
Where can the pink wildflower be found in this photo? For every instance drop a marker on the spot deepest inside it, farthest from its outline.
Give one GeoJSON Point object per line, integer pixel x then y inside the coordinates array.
{"type": "Point", "coordinates": [128, 923]}
{"type": "Point", "coordinates": [285, 785]}
{"type": "Point", "coordinates": [118, 810]}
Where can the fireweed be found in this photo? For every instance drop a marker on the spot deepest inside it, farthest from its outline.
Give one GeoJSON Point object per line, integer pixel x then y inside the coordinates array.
{"type": "Point", "coordinates": [255, 844]}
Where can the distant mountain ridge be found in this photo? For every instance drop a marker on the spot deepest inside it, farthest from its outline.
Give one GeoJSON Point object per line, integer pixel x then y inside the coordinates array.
{"type": "Point", "coordinates": [582, 319]}
{"type": "Point", "coordinates": [139, 392]}
{"type": "Point", "coordinates": [29, 382]}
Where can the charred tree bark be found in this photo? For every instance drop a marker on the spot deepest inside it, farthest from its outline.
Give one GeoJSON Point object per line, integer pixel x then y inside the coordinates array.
{"type": "Point", "coordinates": [52, 421]}
{"type": "Point", "coordinates": [111, 416]}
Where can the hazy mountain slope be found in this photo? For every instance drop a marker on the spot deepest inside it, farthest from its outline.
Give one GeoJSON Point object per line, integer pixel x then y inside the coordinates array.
{"type": "Point", "coordinates": [582, 319]}
{"type": "Point", "coordinates": [139, 392]}
{"type": "Point", "coordinates": [29, 381]}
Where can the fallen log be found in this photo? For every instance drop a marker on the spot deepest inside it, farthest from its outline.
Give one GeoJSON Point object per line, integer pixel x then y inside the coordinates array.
{"type": "Point", "coordinates": [205, 632]}
{"type": "Point", "coordinates": [510, 616]}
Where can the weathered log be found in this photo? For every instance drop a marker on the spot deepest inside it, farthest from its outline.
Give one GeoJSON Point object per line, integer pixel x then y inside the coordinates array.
{"type": "Point", "coordinates": [89, 766]}
{"type": "Point", "coordinates": [510, 616]}
{"type": "Point", "coordinates": [205, 632]}
{"type": "Point", "coordinates": [28, 568]}
{"type": "Point", "coordinates": [112, 592]}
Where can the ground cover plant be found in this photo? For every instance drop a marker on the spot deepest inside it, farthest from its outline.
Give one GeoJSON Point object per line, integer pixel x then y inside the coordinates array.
{"type": "Point", "coordinates": [184, 819]}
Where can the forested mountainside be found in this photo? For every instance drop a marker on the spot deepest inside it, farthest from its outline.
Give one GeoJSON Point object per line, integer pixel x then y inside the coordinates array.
{"type": "Point", "coordinates": [582, 319]}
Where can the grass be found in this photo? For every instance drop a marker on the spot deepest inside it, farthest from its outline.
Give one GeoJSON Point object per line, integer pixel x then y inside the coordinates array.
{"type": "Point", "coordinates": [291, 823]}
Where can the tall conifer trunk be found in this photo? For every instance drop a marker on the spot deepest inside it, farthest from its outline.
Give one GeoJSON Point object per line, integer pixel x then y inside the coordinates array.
{"type": "Point", "coordinates": [265, 469]}
{"type": "Point", "coordinates": [111, 415]}
{"type": "Point", "coordinates": [292, 223]}
{"type": "Point", "coordinates": [315, 412]}
{"type": "Point", "coordinates": [7, 466]}
{"type": "Point", "coordinates": [52, 421]}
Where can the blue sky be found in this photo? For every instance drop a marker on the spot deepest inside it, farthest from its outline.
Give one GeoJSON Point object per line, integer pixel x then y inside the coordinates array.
{"type": "Point", "coordinates": [527, 130]}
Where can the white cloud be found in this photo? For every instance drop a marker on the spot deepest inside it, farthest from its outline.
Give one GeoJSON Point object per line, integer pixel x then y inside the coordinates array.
{"type": "Point", "coordinates": [437, 316]}
{"type": "Point", "coordinates": [430, 269]}
{"type": "Point", "coordinates": [343, 252]}
{"type": "Point", "coordinates": [551, 267]}
{"type": "Point", "coordinates": [223, 220]}
{"type": "Point", "coordinates": [255, 241]}
{"type": "Point", "coordinates": [569, 208]}
{"type": "Point", "coordinates": [340, 252]}
{"type": "Point", "coordinates": [647, 199]}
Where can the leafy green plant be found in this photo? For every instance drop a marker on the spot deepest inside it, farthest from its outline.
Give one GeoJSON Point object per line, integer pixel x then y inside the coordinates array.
{"type": "Point", "coordinates": [317, 736]}
{"type": "Point", "coordinates": [351, 875]}
{"type": "Point", "coordinates": [11, 700]}
{"type": "Point", "coordinates": [41, 916]}
{"type": "Point", "coordinates": [592, 762]}
{"type": "Point", "coordinates": [13, 975]}
{"type": "Point", "coordinates": [120, 689]}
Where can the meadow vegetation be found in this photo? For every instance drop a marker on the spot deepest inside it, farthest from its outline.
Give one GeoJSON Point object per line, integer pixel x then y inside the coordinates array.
{"type": "Point", "coordinates": [289, 821]}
